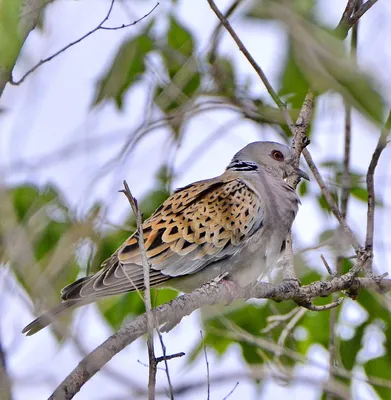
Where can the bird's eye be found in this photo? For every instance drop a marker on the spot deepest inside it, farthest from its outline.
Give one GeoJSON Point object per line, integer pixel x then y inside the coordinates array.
{"type": "Point", "coordinates": [277, 155]}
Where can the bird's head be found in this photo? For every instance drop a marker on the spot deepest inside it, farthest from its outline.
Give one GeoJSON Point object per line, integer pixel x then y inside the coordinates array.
{"type": "Point", "coordinates": [274, 157]}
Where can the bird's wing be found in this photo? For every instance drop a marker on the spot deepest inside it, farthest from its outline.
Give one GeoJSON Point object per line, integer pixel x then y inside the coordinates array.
{"type": "Point", "coordinates": [198, 225]}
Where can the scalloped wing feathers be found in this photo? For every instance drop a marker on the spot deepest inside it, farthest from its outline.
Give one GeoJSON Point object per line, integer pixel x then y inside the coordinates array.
{"type": "Point", "coordinates": [198, 225]}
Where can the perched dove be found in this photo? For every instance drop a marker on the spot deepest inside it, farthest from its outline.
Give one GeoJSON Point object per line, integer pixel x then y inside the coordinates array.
{"type": "Point", "coordinates": [235, 223]}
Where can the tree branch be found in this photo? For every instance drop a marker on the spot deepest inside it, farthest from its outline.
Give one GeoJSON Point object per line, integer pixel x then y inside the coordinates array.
{"type": "Point", "coordinates": [170, 314]}
{"type": "Point", "coordinates": [97, 28]}
{"type": "Point", "coordinates": [253, 63]}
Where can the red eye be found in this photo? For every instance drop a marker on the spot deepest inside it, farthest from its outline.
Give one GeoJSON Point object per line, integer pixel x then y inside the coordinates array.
{"type": "Point", "coordinates": [277, 155]}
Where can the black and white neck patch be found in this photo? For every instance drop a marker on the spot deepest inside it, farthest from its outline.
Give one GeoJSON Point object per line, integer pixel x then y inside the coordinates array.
{"type": "Point", "coordinates": [238, 165]}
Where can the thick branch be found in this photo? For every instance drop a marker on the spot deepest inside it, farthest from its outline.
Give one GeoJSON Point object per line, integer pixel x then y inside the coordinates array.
{"type": "Point", "coordinates": [170, 314]}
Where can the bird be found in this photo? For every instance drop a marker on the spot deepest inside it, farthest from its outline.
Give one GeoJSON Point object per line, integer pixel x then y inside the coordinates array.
{"type": "Point", "coordinates": [234, 225]}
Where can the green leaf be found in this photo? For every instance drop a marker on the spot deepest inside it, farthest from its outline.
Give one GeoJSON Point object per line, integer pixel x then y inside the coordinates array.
{"type": "Point", "coordinates": [179, 38]}
{"type": "Point", "coordinates": [127, 68]}
{"type": "Point", "coordinates": [327, 67]}
{"type": "Point", "coordinates": [10, 42]}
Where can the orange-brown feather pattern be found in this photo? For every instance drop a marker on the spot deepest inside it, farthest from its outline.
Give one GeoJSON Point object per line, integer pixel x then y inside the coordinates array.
{"type": "Point", "coordinates": [200, 219]}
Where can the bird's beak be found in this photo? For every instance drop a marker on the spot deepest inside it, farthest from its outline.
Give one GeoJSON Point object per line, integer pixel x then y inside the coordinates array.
{"type": "Point", "coordinates": [302, 174]}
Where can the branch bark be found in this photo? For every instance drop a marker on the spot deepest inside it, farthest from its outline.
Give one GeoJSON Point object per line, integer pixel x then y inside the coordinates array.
{"type": "Point", "coordinates": [170, 314]}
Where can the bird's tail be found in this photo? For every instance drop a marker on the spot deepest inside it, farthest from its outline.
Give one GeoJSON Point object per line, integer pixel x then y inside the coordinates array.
{"type": "Point", "coordinates": [50, 316]}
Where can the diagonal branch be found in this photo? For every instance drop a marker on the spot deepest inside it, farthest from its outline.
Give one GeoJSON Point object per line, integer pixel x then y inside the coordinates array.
{"type": "Point", "coordinates": [170, 314]}
{"type": "Point", "coordinates": [253, 63]}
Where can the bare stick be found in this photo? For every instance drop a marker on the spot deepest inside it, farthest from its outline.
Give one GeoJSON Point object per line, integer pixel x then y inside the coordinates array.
{"type": "Point", "coordinates": [325, 307]}
{"type": "Point", "coordinates": [170, 357]}
{"type": "Point", "coordinates": [326, 264]}
{"type": "Point", "coordinates": [97, 28]}
{"type": "Point", "coordinates": [381, 144]}
{"type": "Point", "coordinates": [217, 31]}
{"type": "Point", "coordinates": [207, 366]}
{"type": "Point", "coordinates": [233, 389]}
{"type": "Point", "coordinates": [165, 358]}
{"type": "Point", "coordinates": [147, 292]}
{"type": "Point", "coordinates": [253, 63]}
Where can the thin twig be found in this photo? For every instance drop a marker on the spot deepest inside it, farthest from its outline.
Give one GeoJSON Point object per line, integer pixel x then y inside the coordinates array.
{"type": "Point", "coordinates": [165, 358]}
{"type": "Point", "coordinates": [326, 264]}
{"type": "Point", "coordinates": [217, 31]}
{"type": "Point", "coordinates": [325, 307]}
{"type": "Point", "coordinates": [170, 357]}
{"type": "Point", "coordinates": [254, 64]}
{"type": "Point", "coordinates": [207, 366]}
{"type": "Point", "coordinates": [147, 292]}
{"type": "Point", "coordinates": [233, 389]}
{"type": "Point", "coordinates": [97, 28]}
{"type": "Point", "coordinates": [381, 145]}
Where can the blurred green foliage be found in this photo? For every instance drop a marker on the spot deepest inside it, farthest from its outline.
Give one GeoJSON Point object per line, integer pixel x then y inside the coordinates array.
{"type": "Point", "coordinates": [10, 42]}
